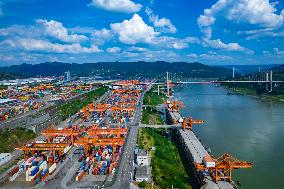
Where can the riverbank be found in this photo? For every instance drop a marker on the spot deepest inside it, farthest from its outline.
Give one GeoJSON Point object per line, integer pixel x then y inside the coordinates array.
{"type": "Point", "coordinates": [167, 168]}
{"type": "Point", "coordinates": [253, 93]}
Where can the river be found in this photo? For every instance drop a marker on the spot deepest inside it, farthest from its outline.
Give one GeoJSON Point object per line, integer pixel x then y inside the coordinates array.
{"type": "Point", "coordinates": [248, 128]}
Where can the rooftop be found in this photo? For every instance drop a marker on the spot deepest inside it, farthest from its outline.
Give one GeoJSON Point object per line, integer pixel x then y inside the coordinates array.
{"type": "Point", "coordinates": [142, 152]}
{"type": "Point", "coordinates": [141, 171]}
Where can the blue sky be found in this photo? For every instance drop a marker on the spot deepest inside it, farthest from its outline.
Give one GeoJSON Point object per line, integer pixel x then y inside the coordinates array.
{"type": "Point", "coordinates": [214, 32]}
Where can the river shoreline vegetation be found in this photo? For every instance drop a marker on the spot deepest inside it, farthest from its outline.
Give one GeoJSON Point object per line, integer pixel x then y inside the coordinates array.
{"type": "Point", "coordinates": [259, 89]}
{"type": "Point", "coordinates": [167, 168]}
{"type": "Point", "coordinates": [150, 115]}
{"type": "Point", "coordinates": [74, 106]}
{"type": "Point", "coordinates": [152, 98]}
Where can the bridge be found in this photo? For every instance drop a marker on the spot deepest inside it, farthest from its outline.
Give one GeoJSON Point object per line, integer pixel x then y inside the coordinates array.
{"type": "Point", "coordinates": [262, 77]}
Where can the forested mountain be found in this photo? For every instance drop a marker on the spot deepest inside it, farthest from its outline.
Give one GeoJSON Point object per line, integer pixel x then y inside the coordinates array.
{"type": "Point", "coordinates": [120, 69]}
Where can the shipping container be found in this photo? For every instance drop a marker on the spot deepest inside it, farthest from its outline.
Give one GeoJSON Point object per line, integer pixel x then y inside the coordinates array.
{"type": "Point", "coordinates": [52, 168]}
{"type": "Point", "coordinates": [208, 161]}
{"type": "Point", "coordinates": [80, 176]}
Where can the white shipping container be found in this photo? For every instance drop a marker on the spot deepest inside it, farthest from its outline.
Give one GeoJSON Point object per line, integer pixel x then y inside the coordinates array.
{"type": "Point", "coordinates": [52, 168]}
{"type": "Point", "coordinates": [208, 161]}
{"type": "Point", "coordinates": [43, 166]}
{"type": "Point", "coordinates": [27, 175]}
{"type": "Point", "coordinates": [209, 164]}
{"type": "Point", "coordinates": [12, 178]}
{"type": "Point", "coordinates": [66, 149]}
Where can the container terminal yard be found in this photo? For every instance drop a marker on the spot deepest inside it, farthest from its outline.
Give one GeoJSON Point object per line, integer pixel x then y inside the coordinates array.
{"type": "Point", "coordinates": [95, 147]}
{"type": "Point", "coordinates": [18, 100]}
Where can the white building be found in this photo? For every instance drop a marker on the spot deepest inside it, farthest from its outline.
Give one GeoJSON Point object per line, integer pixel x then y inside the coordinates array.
{"type": "Point", "coordinates": [67, 76]}
{"type": "Point", "coordinates": [142, 157]}
{"type": "Point", "coordinates": [4, 158]}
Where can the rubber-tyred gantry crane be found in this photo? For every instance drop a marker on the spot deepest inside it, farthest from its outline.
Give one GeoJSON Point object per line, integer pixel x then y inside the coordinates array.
{"type": "Point", "coordinates": [188, 123]}
{"type": "Point", "coordinates": [223, 168]}
{"type": "Point", "coordinates": [108, 131]}
{"type": "Point", "coordinates": [53, 147]}
{"type": "Point", "coordinates": [51, 133]}
{"type": "Point", "coordinates": [87, 142]}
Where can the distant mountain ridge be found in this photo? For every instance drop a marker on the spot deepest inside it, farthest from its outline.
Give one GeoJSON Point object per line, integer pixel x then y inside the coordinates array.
{"type": "Point", "coordinates": [120, 69]}
{"type": "Point", "coordinates": [9, 76]}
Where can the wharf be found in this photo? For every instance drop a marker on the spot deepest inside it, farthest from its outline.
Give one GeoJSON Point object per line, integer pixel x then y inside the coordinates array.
{"type": "Point", "coordinates": [194, 152]}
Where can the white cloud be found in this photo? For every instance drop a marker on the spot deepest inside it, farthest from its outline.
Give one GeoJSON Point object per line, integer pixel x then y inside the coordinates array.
{"type": "Point", "coordinates": [175, 43]}
{"type": "Point", "coordinates": [46, 46]}
{"type": "Point", "coordinates": [218, 44]}
{"type": "Point", "coordinates": [260, 13]}
{"type": "Point", "coordinates": [209, 56]}
{"type": "Point", "coordinates": [103, 33]}
{"type": "Point", "coordinates": [270, 32]}
{"type": "Point", "coordinates": [57, 30]}
{"type": "Point", "coordinates": [113, 50]}
{"type": "Point", "coordinates": [163, 24]}
{"type": "Point", "coordinates": [7, 57]}
{"type": "Point", "coordinates": [179, 45]}
{"type": "Point", "coordinates": [139, 49]}
{"type": "Point", "coordinates": [278, 52]}
{"type": "Point", "coordinates": [256, 12]}
{"type": "Point", "coordinates": [99, 37]}
{"type": "Point", "coordinates": [126, 6]}
{"type": "Point", "coordinates": [157, 55]}
{"type": "Point", "coordinates": [134, 31]}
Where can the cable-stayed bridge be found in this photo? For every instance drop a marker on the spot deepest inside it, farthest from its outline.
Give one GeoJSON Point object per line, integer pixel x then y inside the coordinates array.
{"type": "Point", "coordinates": [261, 77]}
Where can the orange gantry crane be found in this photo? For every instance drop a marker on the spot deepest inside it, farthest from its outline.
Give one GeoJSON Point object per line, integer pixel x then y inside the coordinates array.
{"type": "Point", "coordinates": [174, 105]}
{"type": "Point", "coordinates": [53, 147]}
{"type": "Point", "coordinates": [108, 131]}
{"type": "Point", "coordinates": [223, 168]}
{"type": "Point", "coordinates": [87, 142]}
{"type": "Point", "coordinates": [117, 108]}
{"type": "Point", "coordinates": [187, 123]}
{"type": "Point", "coordinates": [51, 133]}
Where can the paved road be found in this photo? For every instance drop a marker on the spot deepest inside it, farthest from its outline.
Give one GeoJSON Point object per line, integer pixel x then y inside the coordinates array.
{"type": "Point", "coordinates": [125, 171]}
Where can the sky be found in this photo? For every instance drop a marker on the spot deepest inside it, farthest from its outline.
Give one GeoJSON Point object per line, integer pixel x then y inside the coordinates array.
{"type": "Point", "coordinates": [213, 32]}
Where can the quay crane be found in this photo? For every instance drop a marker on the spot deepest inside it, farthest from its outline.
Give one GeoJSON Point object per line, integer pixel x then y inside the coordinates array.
{"type": "Point", "coordinates": [187, 123]}
{"type": "Point", "coordinates": [222, 167]}
{"type": "Point", "coordinates": [174, 106]}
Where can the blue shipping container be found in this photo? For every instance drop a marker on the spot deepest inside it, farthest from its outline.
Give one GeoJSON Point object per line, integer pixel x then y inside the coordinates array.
{"type": "Point", "coordinates": [34, 171]}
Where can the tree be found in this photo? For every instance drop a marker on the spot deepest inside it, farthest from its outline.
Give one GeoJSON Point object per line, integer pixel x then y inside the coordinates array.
{"type": "Point", "coordinates": [142, 184]}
